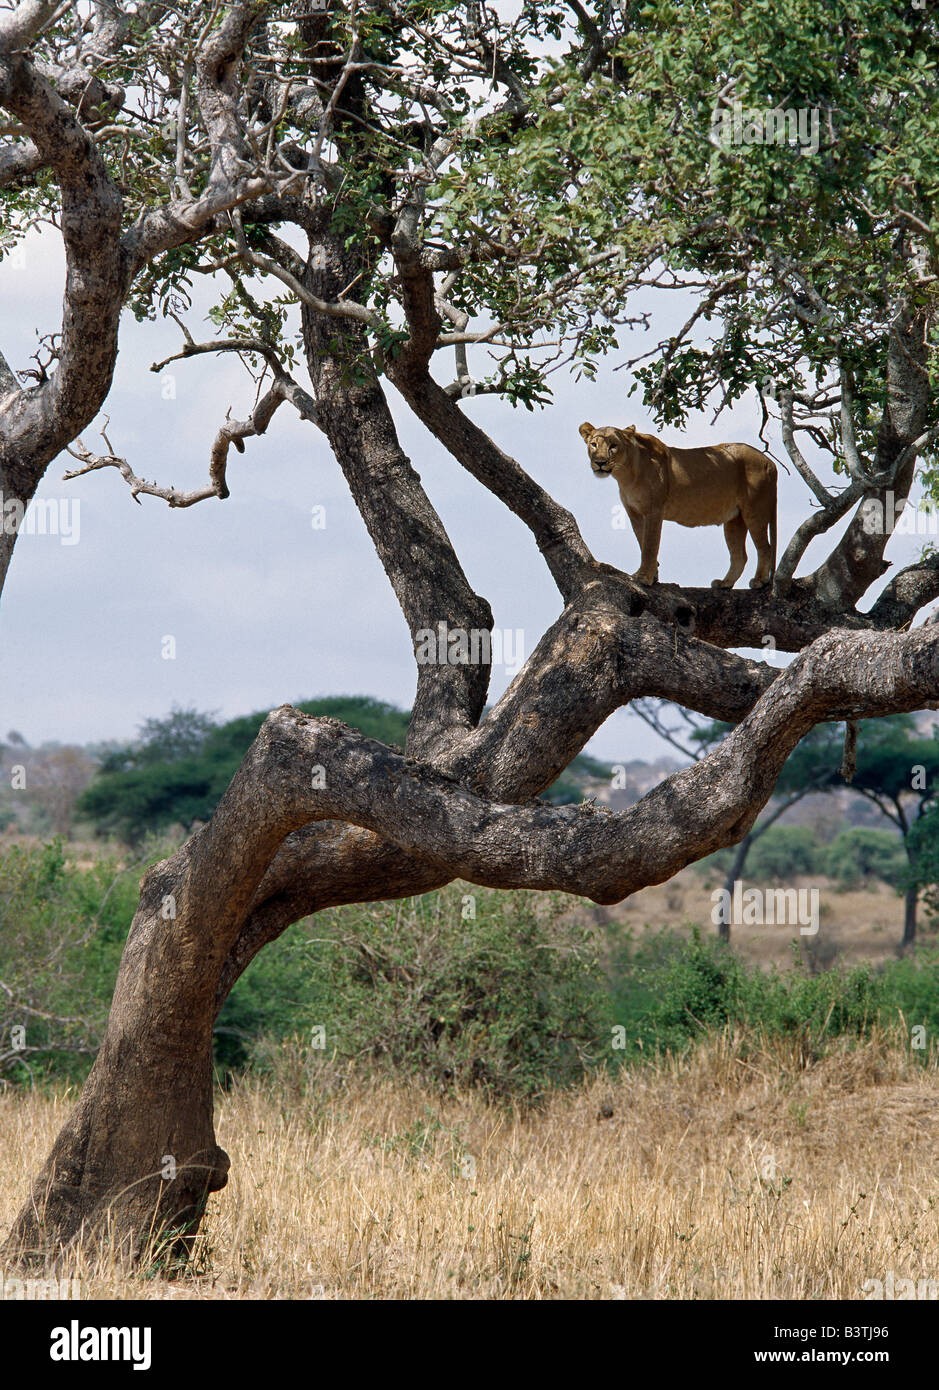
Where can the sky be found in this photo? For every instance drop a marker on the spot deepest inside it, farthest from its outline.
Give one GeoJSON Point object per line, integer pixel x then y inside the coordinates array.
{"type": "Point", "coordinates": [261, 606]}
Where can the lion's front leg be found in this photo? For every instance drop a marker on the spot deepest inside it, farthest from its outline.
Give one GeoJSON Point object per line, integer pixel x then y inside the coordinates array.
{"type": "Point", "coordinates": [648, 571]}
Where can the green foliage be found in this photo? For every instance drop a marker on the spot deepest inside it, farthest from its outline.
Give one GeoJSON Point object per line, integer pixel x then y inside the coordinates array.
{"type": "Point", "coordinates": [510, 1000]}
{"type": "Point", "coordinates": [924, 855]}
{"type": "Point", "coordinates": [514, 1001]}
{"type": "Point", "coordinates": [178, 771]}
{"type": "Point", "coordinates": [911, 991]}
{"type": "Point", "coordinates": [669, 993]}
{"type": "Point", "coordinates": [61, 934]}
{"type": "Point", "coordinates": [857, 856]}
{"type": "Point", "coordinates": [889, 752]}
{"type": "Point", "coordinates": [780, 853]}
{"type": "Point", "coordinates": [784, 852]}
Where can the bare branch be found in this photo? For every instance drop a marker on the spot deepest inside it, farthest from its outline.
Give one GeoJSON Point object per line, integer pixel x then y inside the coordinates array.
{"type": "Point", "coordinates": [234, 432]}
{"type": "Point", "coordinates": [20, 26]}
{"type": "Point", "coordinates": [794, 452]}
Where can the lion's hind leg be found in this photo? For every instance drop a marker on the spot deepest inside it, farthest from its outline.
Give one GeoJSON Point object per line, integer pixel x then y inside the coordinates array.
{"type": "Point", "coordinates": [759, 530]}
{"type": "Point", "coordinates": [735, 534]}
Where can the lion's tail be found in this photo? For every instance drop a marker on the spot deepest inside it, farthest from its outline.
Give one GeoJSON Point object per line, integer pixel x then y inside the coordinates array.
{"type": "Point", "coordinates": [772, 532]}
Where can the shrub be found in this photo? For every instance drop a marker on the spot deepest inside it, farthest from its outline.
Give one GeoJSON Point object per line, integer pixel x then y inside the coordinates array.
{"type": "Point", "coordinates": [859, 856]}
{"type": "Point", "coordinates": [62, 930]}
{"type": "Point", "coordinates": [784, 852]}
{"type": "Point", "coordinates": [911, 988]}
{"type": "Point", "coordinates": [511, 1000]}
{"type": "Point", "coordinates": [779, 854]}
{"type": "Point", "coordinates": [670, 993]}
{"type": "Point", "coordinates": [924, 853]}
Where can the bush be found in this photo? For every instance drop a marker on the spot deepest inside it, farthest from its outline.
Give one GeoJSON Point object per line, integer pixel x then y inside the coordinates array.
{"type": "Point", "coordinates": [779, 854]}
{"type": "Point", "coordinates": [511, 1001]}
{"type": "Point", "coordinates": [924, 853]}
{"type": "Point", "coordinates": [858, 857]}
{"type": "Point", "coordinates": [670, 993]}
{"type": "Point", "coordinates": [911, 987]}
{"type": "Point", "coordinates": [784, 852]}
{"type": "Point", "coordinates": [62, 931]}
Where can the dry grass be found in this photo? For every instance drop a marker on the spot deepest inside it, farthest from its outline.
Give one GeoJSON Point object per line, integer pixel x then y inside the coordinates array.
{"type": "Point", "coordinates": [719, 1177]}
{"type": "Point", "coordinates": [857, 926]}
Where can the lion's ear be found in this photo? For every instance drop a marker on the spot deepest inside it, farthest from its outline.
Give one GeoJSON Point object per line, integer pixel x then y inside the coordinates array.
{"type": "Point", "coordinates": [586, 430]}
{"type": "Point", "coordinates": [630, 429]}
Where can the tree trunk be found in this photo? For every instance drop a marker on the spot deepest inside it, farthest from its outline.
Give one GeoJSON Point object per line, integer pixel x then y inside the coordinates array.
{"type": "Point", "coordinates": [138, 1155]}
{"type": "Point", "coordinates": [733, 874]}
{"type": "Point", "coordinates": [910, 905]}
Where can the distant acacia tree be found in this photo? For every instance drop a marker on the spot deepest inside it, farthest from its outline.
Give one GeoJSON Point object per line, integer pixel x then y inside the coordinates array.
{"type": "Point", "coordinates": [55, 780]}
{"type": "Point", "coordinates": [806, 770]}
{"type": "Point", "coordinates": [898, 770]}
{"type": "Point", "coordinates": [379, 189]}
{"type": "Point", "coordinates": [924, 839]}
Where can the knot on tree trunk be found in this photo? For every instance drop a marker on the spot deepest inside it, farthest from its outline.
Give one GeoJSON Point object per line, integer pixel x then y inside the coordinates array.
{"type": "Point", "coordinates": [218, 1171]}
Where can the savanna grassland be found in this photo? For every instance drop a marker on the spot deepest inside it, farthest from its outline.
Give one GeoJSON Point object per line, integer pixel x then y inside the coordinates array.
{"type": "Point", "coordinates": [734, 1173]}
{"type": "Point", "coordinates": [478, 1094]}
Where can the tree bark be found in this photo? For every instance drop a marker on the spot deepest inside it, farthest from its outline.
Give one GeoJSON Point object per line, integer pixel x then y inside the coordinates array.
{"type": "Point", "coordinates": [733, 874]}
{"type": "Point", "coordinates": [149, 1098]}
{"type": "Point", "coordinates": [910, 906]}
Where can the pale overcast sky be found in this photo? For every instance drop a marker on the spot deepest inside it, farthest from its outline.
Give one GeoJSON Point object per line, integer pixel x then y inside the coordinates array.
{"type": "Point", "coordinates": [263, 607]}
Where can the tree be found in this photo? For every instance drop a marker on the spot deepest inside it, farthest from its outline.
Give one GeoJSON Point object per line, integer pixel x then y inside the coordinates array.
{"type": "Point", "coordinates": [899, 772]}
{"type": "Point", "coordinates": [178, 771]}
{"type": "Point", "coordinates": [891, 766]}
{"type": "Point", "coordinates": [924, 841]}
{"type": "Point", "coordinates": [182, 734]}
{"type": "Point", "coordinates": [458, 181]}
{"type": "Point", "coordinates": [800, 776]}
{"type": "Point", "coordinates": [55, 780]}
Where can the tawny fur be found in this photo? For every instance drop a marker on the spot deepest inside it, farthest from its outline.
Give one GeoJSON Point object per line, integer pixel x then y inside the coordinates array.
{"type": "Point", "coordinates": [729, 485]}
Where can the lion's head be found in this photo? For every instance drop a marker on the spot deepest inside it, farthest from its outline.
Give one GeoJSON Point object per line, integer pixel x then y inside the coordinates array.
{"type": "Point", "coordinates": [607, 446]}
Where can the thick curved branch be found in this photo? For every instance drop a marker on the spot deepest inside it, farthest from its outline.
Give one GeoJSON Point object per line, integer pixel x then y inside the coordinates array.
{"type": "Point", "coordinates": [20, 26]}
{"type": "Point", "coordinates": [411, 540]}
{"type": "Point", "coordinates": [907, 592]}
{"type": "Point", "coordinates": [603, 856]}
{"type": "Point", "coordinates": [857, 560]}
{"type": "Point", "coordinates": [553, 527]}
{"type": "Point", "coordinates": [18, 161]}
{"type": "Point", "coordinates": [37, 422]}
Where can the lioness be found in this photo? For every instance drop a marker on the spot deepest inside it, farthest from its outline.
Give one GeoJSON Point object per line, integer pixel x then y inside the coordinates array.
{"type": "Point", "coordinates": [729, 485]}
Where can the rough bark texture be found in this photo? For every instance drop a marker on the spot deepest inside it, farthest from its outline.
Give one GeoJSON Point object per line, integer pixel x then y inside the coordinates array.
{"type": "Point", "coordinates": [138, 1155]}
